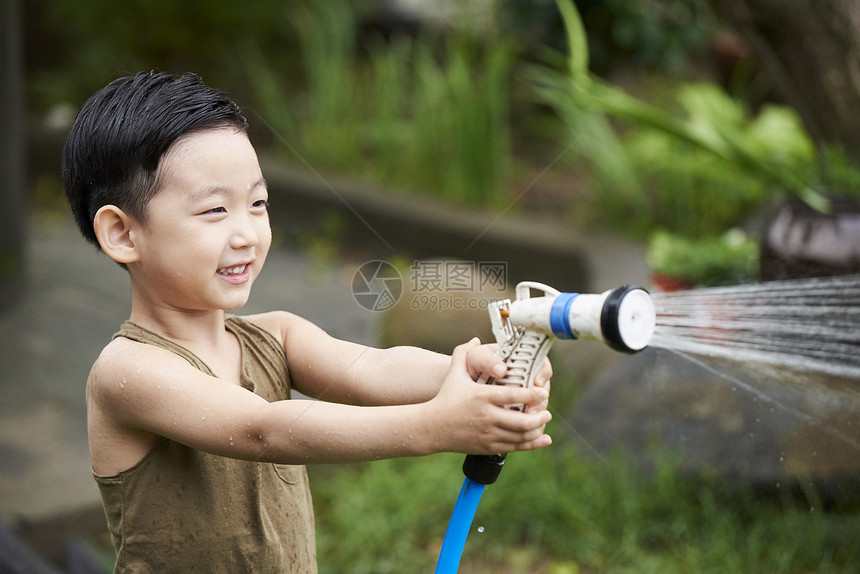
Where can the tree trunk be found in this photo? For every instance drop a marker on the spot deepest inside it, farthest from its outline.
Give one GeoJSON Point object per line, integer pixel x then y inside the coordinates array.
{"type": "Point", "coordinates": [811, 48]}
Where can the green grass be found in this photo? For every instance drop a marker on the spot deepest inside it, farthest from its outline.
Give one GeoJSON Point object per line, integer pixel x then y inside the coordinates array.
{"type": "Point", "coordinates": [557, 511]}
{"type": "Point", "coordinates": [561, 510]}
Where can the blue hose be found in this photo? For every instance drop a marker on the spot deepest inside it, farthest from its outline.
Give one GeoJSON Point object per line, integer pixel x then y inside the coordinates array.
{"type": "Point", "coordinates": [458, 527]}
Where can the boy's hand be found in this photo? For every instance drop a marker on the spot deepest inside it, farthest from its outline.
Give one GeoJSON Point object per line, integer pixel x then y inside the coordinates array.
{"type": "Point", "coordinates": [471, 418]}
{"type": "Point", "coordinates": [484, 360]}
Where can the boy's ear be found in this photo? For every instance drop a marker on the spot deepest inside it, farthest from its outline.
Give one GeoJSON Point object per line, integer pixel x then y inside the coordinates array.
{"type": "Point", "coordinates": [113, 228]}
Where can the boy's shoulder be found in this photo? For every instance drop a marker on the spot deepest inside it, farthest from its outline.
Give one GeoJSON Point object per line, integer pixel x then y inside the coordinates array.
{"type": "Point", "coordinates": [281, 323]}
{"type": "Point", "coordinates": [123, 358]}
{"type": "Point", "coordinates": [123, 353]}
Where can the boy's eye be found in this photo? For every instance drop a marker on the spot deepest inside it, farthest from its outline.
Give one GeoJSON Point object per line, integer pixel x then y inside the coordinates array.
{"type": "Point", "coordinates": [216, 210]}
{"type": "Point", "coordinates": [260, 203]}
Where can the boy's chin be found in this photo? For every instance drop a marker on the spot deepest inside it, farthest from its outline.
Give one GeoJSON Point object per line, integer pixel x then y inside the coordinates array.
{"type": "Point", "coordinates": [235, 304]}
{"type": "Point", "coordinates": [235, 307]}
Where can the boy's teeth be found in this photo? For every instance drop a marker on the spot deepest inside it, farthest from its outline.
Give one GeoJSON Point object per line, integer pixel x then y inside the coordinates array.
{"type": "Point", "coordinates": [232, 270]}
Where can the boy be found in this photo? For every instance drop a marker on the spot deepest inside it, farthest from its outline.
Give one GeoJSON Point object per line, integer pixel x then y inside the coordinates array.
{"type": "Point", "coordinates": [196, 447]}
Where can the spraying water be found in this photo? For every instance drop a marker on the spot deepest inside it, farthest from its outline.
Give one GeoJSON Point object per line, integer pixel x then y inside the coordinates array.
{"type": "Point", "coordinates": [802, 324]}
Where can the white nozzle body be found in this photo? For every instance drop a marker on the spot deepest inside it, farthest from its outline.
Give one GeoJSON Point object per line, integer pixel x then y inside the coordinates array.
{"type": "Point", "coordinates": [623, 318]}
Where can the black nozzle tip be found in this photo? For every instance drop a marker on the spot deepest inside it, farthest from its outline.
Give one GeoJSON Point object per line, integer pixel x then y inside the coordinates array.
{"type": "Point", "coordinates": [483, 469]}
{"type": "Point", "coordinates": [611, 320]}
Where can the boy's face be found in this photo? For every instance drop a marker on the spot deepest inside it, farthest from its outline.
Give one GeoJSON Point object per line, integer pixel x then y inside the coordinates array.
{"type": "Point", "coordinates": [207, 229]}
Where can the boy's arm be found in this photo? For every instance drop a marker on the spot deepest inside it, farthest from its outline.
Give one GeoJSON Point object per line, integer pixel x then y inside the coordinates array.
{"type": "Point", "coordinates": [143, 388]}
{"type": "Point", "coordinates": [334, 370]}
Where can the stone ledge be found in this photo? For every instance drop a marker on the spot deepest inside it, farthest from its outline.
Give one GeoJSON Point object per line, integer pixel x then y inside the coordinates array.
{"type": "Point", "coordinates": [384, 224]}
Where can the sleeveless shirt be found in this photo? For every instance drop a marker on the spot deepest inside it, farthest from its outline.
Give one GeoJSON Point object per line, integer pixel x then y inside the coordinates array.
{"type": "Point", "coordinates": [184, 510]}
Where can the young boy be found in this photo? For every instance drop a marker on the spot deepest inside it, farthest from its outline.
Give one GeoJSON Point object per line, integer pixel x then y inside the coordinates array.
{"type": "Point", "coordinates": [196, 446]}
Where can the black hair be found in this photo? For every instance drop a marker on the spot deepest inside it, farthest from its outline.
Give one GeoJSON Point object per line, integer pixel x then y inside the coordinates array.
{"type": "Point", "coordinates": [113, 150]}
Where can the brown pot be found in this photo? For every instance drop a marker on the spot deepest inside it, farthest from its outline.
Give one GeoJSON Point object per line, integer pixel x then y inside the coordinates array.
{"type": "Point", "coordinates": [802, 242]}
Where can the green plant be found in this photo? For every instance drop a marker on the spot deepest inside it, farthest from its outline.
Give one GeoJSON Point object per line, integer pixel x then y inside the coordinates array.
{"type": "Point", "coordinates": [721, 140]}
{"type": "Point", "coordinates": [330, 129]}
{"type": "Point", "coordinates": [460, 140]}
{"type": "Point", "coordinates": [698, 172]}
{"type": "Point", "coordinates": [694, 192]}
{"type": "Point", "coordinates": [427, 114]}
{"type": "Point", "coordinates": [655, 34]}
{"type": "Point", "coordinates": [729, 259]}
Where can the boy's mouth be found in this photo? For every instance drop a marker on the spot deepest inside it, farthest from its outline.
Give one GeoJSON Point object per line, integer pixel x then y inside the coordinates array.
{"type": "Point", "coordinates": [235, 270]}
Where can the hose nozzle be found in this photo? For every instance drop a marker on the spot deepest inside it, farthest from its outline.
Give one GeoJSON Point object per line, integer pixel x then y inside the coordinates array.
{"type": "Point", "coordinates": [628, 319]}
{"type": "Point", "coordinates": [623, 318]}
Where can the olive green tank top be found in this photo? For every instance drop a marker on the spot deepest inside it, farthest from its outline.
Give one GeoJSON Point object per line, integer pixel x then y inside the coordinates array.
{"type": "Point", "coordinates": [183, 510]}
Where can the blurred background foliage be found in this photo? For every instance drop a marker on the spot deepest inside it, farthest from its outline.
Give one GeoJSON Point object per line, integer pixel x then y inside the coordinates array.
{"type": "Point", "coordinates": [73, 48]}
{"type": "Point", "coordinates": [458, 104]}
{"type": "Point", "coordinates": [668, 126]}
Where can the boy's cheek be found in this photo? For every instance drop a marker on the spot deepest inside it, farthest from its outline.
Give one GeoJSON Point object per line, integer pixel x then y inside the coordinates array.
{"type": "Point", "coordinates": [266, 237]}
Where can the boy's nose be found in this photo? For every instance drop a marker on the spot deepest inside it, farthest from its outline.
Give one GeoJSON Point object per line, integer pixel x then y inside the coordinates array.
{"type": "Point", "coordinates": [245, 234]}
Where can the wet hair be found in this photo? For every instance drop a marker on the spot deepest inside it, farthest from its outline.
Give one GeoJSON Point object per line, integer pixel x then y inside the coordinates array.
{"type": "Point", "coordinates": [113, 150]}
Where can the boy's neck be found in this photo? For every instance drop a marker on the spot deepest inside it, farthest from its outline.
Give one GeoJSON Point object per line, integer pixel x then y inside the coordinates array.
{"type": "Point", "coordinates": [202, 332]}
{"type": "Point", "coordinates": [183, 327]}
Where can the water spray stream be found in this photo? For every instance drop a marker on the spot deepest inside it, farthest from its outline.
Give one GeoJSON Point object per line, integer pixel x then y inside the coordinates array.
{"type": "Point", "coordinates": [794, 412]}
{"type": "Point", "coordinates": [803, 324]}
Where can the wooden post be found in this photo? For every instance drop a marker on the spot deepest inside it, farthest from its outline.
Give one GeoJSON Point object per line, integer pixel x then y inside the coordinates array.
{"type": "Point", "coordinates": [12, 158]}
